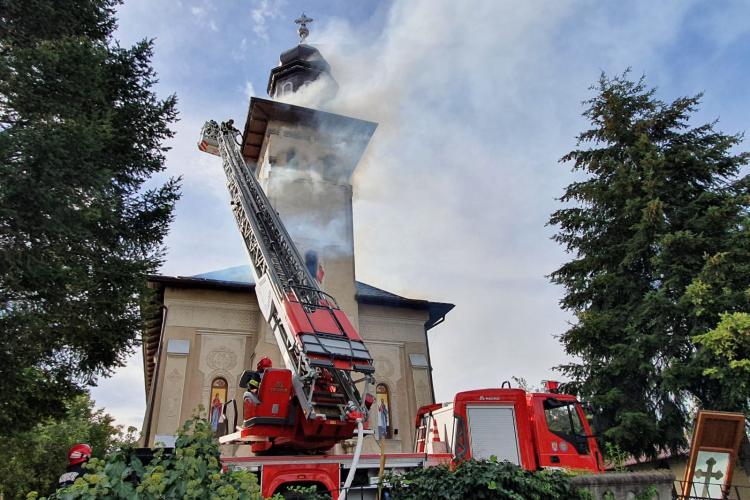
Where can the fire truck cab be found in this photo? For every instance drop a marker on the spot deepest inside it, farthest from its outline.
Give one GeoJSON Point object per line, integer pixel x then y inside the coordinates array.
{"type": "Point", "coordinates": [533, 430]}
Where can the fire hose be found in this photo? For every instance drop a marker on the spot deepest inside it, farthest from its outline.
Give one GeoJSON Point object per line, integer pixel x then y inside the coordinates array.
{"type": "Point", "coordinates": [355, 461]}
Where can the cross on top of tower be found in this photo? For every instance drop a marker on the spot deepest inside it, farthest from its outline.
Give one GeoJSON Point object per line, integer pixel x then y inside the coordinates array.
{"type": "Point", "coordinates": [303, 21]}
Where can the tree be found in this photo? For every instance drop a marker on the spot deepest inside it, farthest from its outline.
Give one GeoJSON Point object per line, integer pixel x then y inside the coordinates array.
{"type": "Point", "coordinates": [81, 133]}
{"type": "Point", "coordinates": [725, 362]}
{"type": "Point", "coordinates": [654, 225]}
{"type": "Point", "coordinates": [33, 460]}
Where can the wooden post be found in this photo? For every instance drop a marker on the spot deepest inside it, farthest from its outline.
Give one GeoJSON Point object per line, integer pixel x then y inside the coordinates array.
{"type": "Point", "coordinates": [381, 443]}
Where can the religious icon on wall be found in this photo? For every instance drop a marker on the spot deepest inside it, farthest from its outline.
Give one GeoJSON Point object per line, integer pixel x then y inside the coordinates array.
{"type": "Point", "coordinates": [218, 398]}
{"type": "Point", "coordinates": [713, 451]}
{"type": "Point", "coordinates": [384, 411]}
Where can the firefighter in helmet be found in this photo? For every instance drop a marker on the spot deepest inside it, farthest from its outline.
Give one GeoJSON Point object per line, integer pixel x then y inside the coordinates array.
{"type": "Point", "coordinates": [251, 379]}
{"type": "Point", "coordinates": [78, 455]}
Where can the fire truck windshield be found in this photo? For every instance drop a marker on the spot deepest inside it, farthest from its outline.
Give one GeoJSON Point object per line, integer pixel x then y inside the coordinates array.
{"type": "Point", "coordinates": [564, 421]}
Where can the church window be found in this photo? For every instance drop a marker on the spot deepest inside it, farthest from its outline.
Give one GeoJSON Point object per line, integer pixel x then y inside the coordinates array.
{"type": "Point", "coordinates": [217, 400]}
{"type": "Point", "coordinates": [287, 88]}
{"type": "Point", "coordinates": [383, 407]}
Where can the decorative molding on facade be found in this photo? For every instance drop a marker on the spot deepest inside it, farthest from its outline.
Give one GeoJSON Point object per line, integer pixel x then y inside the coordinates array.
{"type": "Point", "coordinates": [221, 359]}
{"type": "Point", "coordinates": [214, 304]}
{"type": "Point", "coordinates": [171, 394]}
{"type": "Point", "coordinates": [221, 356]}
{"type": "Point", "coordinates": [243, 333]}
{"type": "Point", "coordinates": [395, 343]}
{"type": "Point", "coordinates": [400, 321]}
{"type": "Point", "coordinates": [212, 315]}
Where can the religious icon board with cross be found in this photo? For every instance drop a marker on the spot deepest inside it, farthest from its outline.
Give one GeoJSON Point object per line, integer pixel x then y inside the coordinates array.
{"type": "Point", "coordinates": [713, 451]}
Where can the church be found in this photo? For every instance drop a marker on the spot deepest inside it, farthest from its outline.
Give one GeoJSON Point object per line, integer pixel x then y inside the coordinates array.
{"type": "Point", "coordinates": [205, 330]}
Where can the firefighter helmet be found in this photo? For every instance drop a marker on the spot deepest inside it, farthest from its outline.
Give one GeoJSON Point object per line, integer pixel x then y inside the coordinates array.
{"type": "Point", "coordinates": [78, 454]}
{"type": "Point", "coordinates": [265, 362]}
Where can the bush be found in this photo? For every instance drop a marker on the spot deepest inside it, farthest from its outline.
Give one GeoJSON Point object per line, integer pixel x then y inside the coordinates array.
{"type": "Point", "coordinates": [482, 479]}
{"type": "Point", "coordinates": [33, 460]}
{"type": "Point", "coordinates": [193, 471]}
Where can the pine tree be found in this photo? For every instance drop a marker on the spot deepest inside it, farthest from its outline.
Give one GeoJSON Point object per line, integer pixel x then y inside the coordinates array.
{"type": "Point", "coordinates": [657, 203]}
{"type": "Point", "coordinates": [81, 132]}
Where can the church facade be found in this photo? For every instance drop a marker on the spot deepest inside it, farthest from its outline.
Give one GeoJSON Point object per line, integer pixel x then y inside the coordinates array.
{"type": "Point", "coordinates": [208, 330]}
{"type": "Point", "coordinates": [205, 330]}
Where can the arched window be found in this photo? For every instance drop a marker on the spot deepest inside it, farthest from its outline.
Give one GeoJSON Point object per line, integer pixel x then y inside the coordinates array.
{"type": "Point", "coordinates": [287, 88]}
{"type": "Point", "coordinates": [383, 407]}
{"type": "Point", "coordinates": [217, 400]}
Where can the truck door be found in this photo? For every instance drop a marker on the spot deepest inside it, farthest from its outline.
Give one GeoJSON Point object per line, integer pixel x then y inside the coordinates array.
{"type": "Point", "coordinates": [492, 431]}
{"type": "Point", "coordinates": [563, 437]}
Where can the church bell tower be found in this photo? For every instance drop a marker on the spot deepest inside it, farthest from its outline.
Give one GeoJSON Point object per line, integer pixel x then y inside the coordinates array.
{"type": "Point", "coordinates": [304, 159]}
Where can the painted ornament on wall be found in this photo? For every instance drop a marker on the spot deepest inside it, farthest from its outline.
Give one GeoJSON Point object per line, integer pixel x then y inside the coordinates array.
{"type": "Point", "coordinates": [218, 398]}
{"type": "Point", "coordinates": [384, 411]}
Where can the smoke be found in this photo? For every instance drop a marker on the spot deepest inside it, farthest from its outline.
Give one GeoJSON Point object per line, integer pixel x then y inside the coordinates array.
{"type": "Point", "coordinates": [475, 104]}
{"type": "Point", "coordinates": [326, 229]}
{"type": "Point", "coordinates": [475, 101]}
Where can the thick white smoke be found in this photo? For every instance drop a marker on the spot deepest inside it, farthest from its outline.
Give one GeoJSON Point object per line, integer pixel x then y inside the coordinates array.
{"type": "Point", "coordinates": [475, 104]}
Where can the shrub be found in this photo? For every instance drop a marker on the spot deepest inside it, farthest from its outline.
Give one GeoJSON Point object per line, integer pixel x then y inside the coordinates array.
{"type": "Point", "coordinates": [193, 471]}
{"type": "Point", "coordinates": [482, 479]}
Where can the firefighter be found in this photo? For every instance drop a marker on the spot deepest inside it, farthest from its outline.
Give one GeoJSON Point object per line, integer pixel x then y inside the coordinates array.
{"type": "Point", "coordinates": [253, 379]}
{"type": "Point", "coordinates": [77, 458]}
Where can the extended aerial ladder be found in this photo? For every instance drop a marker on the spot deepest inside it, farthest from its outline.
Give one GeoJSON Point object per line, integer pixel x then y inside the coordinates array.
{"type": "Point", "coordinates": [315, 402]}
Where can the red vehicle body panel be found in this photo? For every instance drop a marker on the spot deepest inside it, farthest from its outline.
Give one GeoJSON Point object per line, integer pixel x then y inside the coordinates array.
{"type": "Point", "coordinates": [277, 420]}
{"type": "Point", "coordinates": [277, 471]}
{"type": "Point", "coordinates": [553, 449]}
{"type": "Point", "coordinates": [323, 319]}
{"type": "Point", "coordinates": [538, 446]}
{"type": "Point", "coordinates": [495, 397]}
{"type": "Point", "coordinates": [277, 475]}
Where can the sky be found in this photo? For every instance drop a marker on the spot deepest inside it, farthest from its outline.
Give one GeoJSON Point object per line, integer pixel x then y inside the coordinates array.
{"type": "Point", "coordinates": [476, 102]}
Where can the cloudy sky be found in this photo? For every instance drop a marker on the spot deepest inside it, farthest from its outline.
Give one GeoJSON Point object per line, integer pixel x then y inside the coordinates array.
{"type": "Point", "coordinates": [476, 101]}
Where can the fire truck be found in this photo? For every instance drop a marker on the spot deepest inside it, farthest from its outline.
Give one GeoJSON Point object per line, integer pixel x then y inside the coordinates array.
{"type": "Point", "coordinates": [321, 396]}
{"type": "Point", "coordinates": [535, 430]}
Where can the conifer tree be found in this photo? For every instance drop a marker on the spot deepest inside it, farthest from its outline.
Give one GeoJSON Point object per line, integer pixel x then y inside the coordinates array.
{"type": "Point", "coordinates": [660, 204]}
{"type": "Point", "coordinates": [81, 132]}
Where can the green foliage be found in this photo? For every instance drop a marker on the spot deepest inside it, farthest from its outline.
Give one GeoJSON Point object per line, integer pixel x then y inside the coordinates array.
{"type": "Point", "coordinates": [615, 457]}
{"type": "Point", "coordinates": [33, 460]}
{"type": "Point", "coordinates": [307, 493]}
{"type": "Point", "coordinates": [727, 348]}
{"type": "Point", "coordinates": [658, 236]}
{"type": "Point", "coordinates": [482, 479]}
{"type": "Point", "coordinates": [192, 472]}
{"type": "Point", "coordinates": [81, 217]}
{"type": "Point", "coordinates": [648, 493]}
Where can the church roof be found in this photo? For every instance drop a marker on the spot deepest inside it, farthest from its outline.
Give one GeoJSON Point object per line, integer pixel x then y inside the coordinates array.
{"type": "Point", "coordinates": [304, 52]}
{"type": "Point", "coordinates": [240, 278]}
{"type": "Point", "coordinates": [261, 112]}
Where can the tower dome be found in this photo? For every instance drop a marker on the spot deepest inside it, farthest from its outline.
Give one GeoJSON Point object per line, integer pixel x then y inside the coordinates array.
{"type": "Point", "coordinates": [301, 66]}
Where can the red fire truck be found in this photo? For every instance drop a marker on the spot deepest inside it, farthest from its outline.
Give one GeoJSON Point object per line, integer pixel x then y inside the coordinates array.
{"type": "Point", "coordinates": [532, 429]}
{"type": "Point", "coordinates": [321, 397]}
